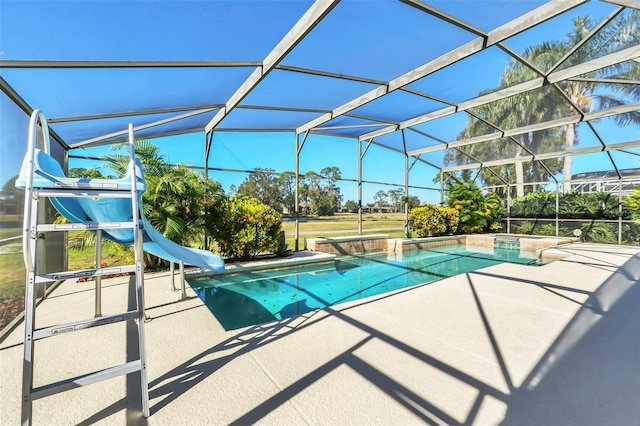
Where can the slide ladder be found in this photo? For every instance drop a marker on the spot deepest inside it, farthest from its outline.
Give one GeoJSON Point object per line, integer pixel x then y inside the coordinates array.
{"type": "Point", "coordinates": [38, 186]}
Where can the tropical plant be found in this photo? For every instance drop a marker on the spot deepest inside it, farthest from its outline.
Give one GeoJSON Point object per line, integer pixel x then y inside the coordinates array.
{"type": "Point", "coordinates": [175, 201]}
{"type": "Point", "coordinates": [176, 197]}
{"type": "Point", "coordinates": [478, 212]}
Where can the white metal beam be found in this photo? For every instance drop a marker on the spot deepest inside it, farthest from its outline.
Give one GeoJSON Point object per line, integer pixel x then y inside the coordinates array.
{"type": "Point", "coordinates": [305, 24]}
{"type": "Point", "coordinates": [608, 60]}
{"type": "Point", "coordinates": [19, 63]}
{"type": "Point", "coordinates": [595, 64]}
{"type": "Point", "coordinates": [150, 136]}
{"type": "Point", "coordinates": [138, 128]}
{"type": "Point", "coordinates": [545, 156]}
{"type": "Point", "coordinates": [419, 4]}
{"type": "Point", "coordinates": [538, 15]}
{"type": "Point", "coordinates": [628, 3]}
{"type": "Point", "coordinates": [129, 113]}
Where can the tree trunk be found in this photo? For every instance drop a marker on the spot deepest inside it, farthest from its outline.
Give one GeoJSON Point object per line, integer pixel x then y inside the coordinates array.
{"type": "Point", "coordinates": [519, 173]}
{"type": "Point", "coordinates": [570, 134]}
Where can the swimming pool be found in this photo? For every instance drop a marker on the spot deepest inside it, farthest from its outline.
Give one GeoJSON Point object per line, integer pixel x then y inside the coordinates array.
{"type": "Point", "coordinates": [256, 297]}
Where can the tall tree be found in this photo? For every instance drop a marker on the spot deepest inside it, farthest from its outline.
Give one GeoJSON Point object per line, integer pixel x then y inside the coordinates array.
{"type": "Point", "coordinates": [265, 186]}
{"type": "Point", "coordinates": [11, 198]}
{"type": "Point", "coordinates": [395, 197]}
{"type": "Point", "coordinates": [380, 198]}
{"type": "Point", "coordinates": [287, 182]}
{"type": "Point", "coordinates": [351, 206]}
{"type": "Point", "coordinates": [585, 95]}
{"type": "Point", "coordinates": [323, 192]}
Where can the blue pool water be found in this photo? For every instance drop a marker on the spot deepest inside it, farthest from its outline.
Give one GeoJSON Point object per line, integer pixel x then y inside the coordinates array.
{"type": "Point", "coordinates": [257, 297]}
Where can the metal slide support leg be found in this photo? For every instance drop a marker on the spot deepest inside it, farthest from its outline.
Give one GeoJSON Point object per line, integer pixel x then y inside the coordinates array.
{"type": "Point", "coordinates": [172, 272]}
{"type": "Point", "coordinates": [27, 363]}
{"type": "Point", "coordinates": [98, 278]}
{"type": "Point", "coordinates": [182, 281]}
{"type": "Point", "coordinates": [141, 317]}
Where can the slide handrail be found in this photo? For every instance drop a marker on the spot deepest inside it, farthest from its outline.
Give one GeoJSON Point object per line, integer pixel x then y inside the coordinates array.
{"type": "Point", "coordinates": [32, 143]}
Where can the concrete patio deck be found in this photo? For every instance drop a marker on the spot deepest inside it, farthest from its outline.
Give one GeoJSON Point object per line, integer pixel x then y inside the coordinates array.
{"type": "Point", "coordinates": [510, 344]}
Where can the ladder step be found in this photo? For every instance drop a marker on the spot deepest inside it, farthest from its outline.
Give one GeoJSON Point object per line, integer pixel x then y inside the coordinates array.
{"type": "Point", "coordinates": [88, 185]}
{"type": "Point", "coordinates": [101, 193]}
{"type": "Point", "coordinates": [55, 330]}
{"type": "Point", "coordinates": [87, 379]}
{"type": "Point", "coordinates": [57, 276]}
{"type": "Point", "coordinates": [85, 226]}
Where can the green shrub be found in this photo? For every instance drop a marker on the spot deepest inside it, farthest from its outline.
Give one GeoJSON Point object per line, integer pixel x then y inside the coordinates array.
{"type": "Point", "coordinates": [632, 203]}
{"type": "Point", "coordinates": [244, 227]}
{"type": "Point", "coordinates": [427, 221]}
{"type": "Point", "coordinates": [525, 228]}
{"type": "Point", "coordinates": [541, 203]}
{"type": "Point", "coordinates": [599, 233]}
{"type": "Point", "coordinates": [573, 205]}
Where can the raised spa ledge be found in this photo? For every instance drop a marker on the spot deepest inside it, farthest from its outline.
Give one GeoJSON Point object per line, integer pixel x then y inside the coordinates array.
{"type": "Point", "coordinates": [348, 244]}
{"type": "Point", "coordinates": [526, 243]}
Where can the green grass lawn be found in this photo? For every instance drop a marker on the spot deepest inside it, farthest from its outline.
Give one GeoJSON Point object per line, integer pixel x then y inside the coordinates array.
{"type": "Point", "coordinates": [10, 232]}
{"type": "Point", "coordinates": [346, 221]}
{"type": "Point", "coordinates": [13, 274]}
{"type": "Point", "coordinates": [343, 224]}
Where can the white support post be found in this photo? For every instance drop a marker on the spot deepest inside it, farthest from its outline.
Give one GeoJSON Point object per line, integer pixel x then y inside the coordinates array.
{"type": "Point", "coordinates": [557, 209]}
{"type": "Point", "coordinates": [172, 272]}
{"type": "Point", "coordinates": [619, 211]}
{"type": "Point", "coordinates": [182, 281]}
{"type": "Point", "coordinates": [508, 210]}
{"type": "Point", "coordinates": [406, 195]}
{"type": "Point", "coordinates": [139, 260]}
{"type": "Point", "coordinates": [359, 187]}
{"type": "Point", "coordinates": [297, 194]}
{"type": "Point", "coordinates": [98, 309]}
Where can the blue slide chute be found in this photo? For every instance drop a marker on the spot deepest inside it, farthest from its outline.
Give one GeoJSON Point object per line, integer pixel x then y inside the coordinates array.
{"type": "Point", "coordinates": [48, 174]}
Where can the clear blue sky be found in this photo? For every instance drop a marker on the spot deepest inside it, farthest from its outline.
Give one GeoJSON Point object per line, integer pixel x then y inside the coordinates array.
{"type": "Point", "coordinates": [255, 31]}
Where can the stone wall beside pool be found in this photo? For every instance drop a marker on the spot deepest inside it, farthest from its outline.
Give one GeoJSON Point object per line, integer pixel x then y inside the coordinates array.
{"type": "Point", "coordinates": [349, 244]}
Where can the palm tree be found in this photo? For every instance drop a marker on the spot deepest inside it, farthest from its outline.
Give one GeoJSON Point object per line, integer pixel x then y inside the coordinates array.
{"type": "Point", "coordinates": [176, 198]}
{"type": "Point", "coordinates": [564, 98]}
{"type": "Point", "coordinates": [583, 96]}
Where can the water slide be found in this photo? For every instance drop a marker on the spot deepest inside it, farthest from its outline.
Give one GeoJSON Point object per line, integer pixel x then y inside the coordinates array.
{"type": "Point", "coordinates": [48, 174]}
